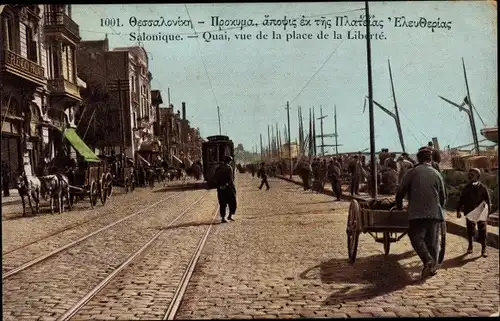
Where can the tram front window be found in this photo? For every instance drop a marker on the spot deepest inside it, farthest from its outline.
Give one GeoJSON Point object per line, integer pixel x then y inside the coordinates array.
{"type": "Point", "coordinates": [212, 154]}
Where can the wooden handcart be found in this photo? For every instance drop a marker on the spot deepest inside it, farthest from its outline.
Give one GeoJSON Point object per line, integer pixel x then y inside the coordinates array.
{"type": "Point", "coordinates": [95, 181]}
{"type": "Point", "coordinates": [392, 224]}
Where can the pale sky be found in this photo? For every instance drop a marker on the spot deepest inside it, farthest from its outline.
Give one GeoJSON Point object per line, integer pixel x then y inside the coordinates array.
{"type": "Point", "coordinates": [251, 80]}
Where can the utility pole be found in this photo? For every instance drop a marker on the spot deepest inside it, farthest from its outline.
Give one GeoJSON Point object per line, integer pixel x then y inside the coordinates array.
{"type": "Point", "coordinates": [278, 147]}
{"type": "Point", "coordinates": [373, 163]}
{"type": "Point", "coordinates": [268, 143]}
{"type": "Point", "coordinates": [168, 95]}
{"type": "Point", "coordinates": [315, 151]}
{"type": "Point", "coordinates": [261, 149]}
{"type": "Point", "coordinates": [321, 128]}
{"type": "Point", "coordinates": [336, 132]}
{"type": "Point", "coordinates": [218, 116]}
{"type": "Point", "coordinates": [289, 139]}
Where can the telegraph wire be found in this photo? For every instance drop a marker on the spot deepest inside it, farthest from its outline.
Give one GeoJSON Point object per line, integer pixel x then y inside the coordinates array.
{"type": "Point", "coordinates": [201, 55]}
{"type": "Point", "coordinates": [319, 69]}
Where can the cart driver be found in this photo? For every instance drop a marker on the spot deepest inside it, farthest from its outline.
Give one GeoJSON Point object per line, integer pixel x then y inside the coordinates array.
{"type": "Point", "coordinates": [426, 192]}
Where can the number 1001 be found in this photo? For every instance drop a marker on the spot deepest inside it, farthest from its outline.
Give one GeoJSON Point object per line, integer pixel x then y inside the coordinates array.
{"type": "Point", "coordinates": [110, 22]}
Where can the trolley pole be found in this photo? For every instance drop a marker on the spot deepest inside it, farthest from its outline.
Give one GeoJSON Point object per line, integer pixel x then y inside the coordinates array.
{"type": "Point", "coordinates": [218, 116]}
{"type": "Point", "coordinates": [373, 164]}
{"type": "Point", "coordinates": [289, 139]}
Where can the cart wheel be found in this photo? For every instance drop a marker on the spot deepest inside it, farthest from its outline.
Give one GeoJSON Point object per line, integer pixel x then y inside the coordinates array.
{"type": "Point", "coordinates": [102, 189]}
{"type": "Point", "coordinates": [109, 185]}
{"type": "Point", "coordinates": [93, 194]}
{"type": "Point", "coordinates": [442, 242]}
{"type": "Point", "coordinates": [387, 243]}
{"type": "Point", "coordinates": [353, 231]}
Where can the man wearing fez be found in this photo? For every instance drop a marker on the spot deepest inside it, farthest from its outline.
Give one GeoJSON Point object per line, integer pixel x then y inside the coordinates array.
{"type": "Point", "coordinates": [426, 193]}
{"type": "Point", "coordinates": [473, 194]}
{"type": "Point", "coordinates": [436, 155]}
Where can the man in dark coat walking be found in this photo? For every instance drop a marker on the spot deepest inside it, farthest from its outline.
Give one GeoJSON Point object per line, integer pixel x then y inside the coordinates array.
{"type": "Point", "coordinates": [263, 176]}
{"type": "Point", "coordinates": [334, 176]}
{"type": "Point", "coordinates": [426, 193]}
{"type": "Point", "coordinates": [226, 190]}
{"type": "Point", "coordinates": [473, 194]}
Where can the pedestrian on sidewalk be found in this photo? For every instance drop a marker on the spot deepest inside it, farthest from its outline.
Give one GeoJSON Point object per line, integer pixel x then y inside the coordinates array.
{"type": "Point", "coordinates": [426, 193]}
{"type": "Point", "coordinates": [263, 176]}
{"type": "Point", "coordinates": [473, 195]}
{"type": "Point", "coordinates": [226, 190]}
{"type": "Point", "coordinates": [356, 171]}
{"type": "Point", "coordinates": [334, 176]}
{"type": "Point", "coordinates": [5, 178]}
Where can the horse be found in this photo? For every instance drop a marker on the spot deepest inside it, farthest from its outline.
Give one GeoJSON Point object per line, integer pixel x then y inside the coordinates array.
{"type": "Point", "coordinates": [51, 186]}
{"type": "Point", "coordinates": [30, 187]}
{"type": "Point", "coordinates": [57, 188]}
{"type": "Point", "coordinates": [65, 191]}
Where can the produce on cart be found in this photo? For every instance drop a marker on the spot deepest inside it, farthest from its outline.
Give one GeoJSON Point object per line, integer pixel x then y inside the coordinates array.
{"type": "Point", "coordinates": [386, 224]}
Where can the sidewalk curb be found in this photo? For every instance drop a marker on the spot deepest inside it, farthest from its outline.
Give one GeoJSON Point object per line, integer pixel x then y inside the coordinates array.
{"type": "Point", "coordinates": [491, 238]}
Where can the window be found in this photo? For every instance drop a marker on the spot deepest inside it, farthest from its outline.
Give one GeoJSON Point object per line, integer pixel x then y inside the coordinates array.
{"type": "Point", "coordinates": [11, 32]}
{"type": "Point", "coordinates": [132, 84]}
{"type": "Point", "coordinates": [31, 45]}
{"type": "Point", "coordinates": [69, 64]}
{"type": "Point", "coordinates": [55, 62]}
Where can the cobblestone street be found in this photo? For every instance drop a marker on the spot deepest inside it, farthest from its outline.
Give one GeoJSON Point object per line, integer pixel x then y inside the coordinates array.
{"type": "Point", "coordinates": [285, 256]}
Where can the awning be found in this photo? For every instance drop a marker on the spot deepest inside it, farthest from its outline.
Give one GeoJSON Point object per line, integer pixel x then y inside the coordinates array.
{"type": "Point", "coordinates": [142, 159]}
{"type": "Point", "coordinates": [80, 146]}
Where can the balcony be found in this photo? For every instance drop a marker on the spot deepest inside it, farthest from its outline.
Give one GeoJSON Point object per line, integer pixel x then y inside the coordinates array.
{"type": "Point", "coordinates": [59, 22]}
{"type": "Point", "coordinates": [63, 87]}
{"type": "Point", "coordinates": [14, 64]}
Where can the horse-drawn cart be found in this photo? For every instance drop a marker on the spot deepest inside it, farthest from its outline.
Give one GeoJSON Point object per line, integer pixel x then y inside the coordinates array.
{"type": "Point", "coordinates": [95, 181]}
{"type": "Point", "coordinates": [380, 217]}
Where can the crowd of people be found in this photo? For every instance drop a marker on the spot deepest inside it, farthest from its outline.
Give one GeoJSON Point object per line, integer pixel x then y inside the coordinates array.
{"type": "Point", "coordinates": [352, 169]}
{"type": "Point", "coordinates": [417, 180]}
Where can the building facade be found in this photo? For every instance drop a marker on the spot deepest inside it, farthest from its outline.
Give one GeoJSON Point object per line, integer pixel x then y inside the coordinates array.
{"type": "Point", "coordinates": [38, 83]}
{"type": "Point", "coordinates": [119, 94]}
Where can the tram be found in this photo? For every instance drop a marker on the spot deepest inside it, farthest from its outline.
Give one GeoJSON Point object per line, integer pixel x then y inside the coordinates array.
{"type": "Point", "coordinates": [213, 152]}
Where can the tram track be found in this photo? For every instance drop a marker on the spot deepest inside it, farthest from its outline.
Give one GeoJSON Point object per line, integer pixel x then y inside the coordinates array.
{"type": "Point", "coordinates": [49, 289]}
{"type": "Point", "coordinates": [59, 249]}
{"type": "Point", "coordinates": [180, 288]}
{"type": "Point", "coordinates": [186, 277]}
{"type": "Point", "coordinates": [92, 219]}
